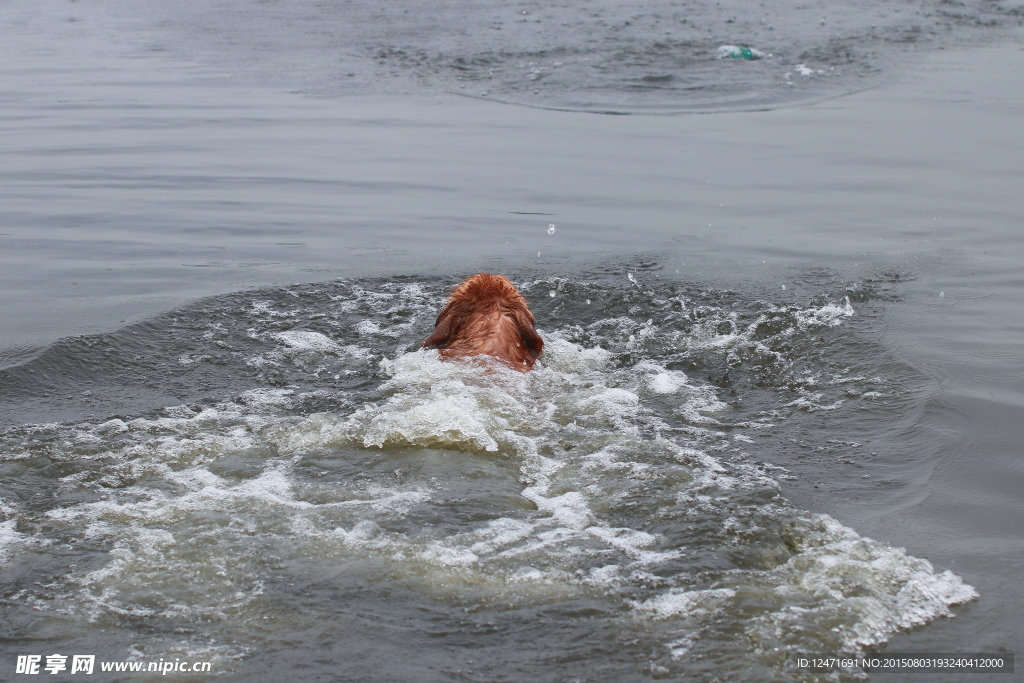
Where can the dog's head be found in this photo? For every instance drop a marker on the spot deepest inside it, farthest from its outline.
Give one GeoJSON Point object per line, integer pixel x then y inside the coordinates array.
{"type": "Point", "coordinates": [486, 314]}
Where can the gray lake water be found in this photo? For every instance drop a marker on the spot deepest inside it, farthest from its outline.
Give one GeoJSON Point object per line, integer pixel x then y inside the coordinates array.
{"type": "Point", "coordinates": [781, 404]}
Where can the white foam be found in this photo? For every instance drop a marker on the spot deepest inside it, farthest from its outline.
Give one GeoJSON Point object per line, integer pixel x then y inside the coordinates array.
{"type": "Point", "coordinates": [448, 556]}
{"type": "Point", "coordinates": [264, 308]}
{"type": "Point", "coordinates": [606, 576]}
{"type": "Point", "coordinates": [365, 530]}
{"type": "Point", "coordinates": [579, 438]}
{"type": "Point", "coordinates": [805, 70]}
{"type": "Point", "coordinates": [881, 587]}
{"type": "Point", "coordinates": [829, 315]}
{"type": "Point", "coordinates": [180, 411]}
{"type": "Point", "coordinates": [569, 510]}
{"type": "Point", "coordinates": [674, 603]}
{"type": "Point", "coordinates": [633, 543]}
{"type": "Point", "coordinates": [262, 399]}
{"type": "Point", "coordinates": [848, 592]}
{"type": "Point", "coordinates": [11, 540]}
{"type": "Point", "coordinates": [563, 356]}
{"type": "Point", "coordinates": [115, 426]}
{"type": "Point", "coordinates": [368, 328]}
{"type": "Point", "coordinates": [666, 382]}
{"type": "Point", "coordinates": [501, 533]}
{"type": "Point", "coordinates": [307, 340]}
{"type": "Point", "coordinates": [528, 574]}
{"type": "Point", "coordinates": [812, 402]}
{"type": "Point", "coordinates": [385, 500]}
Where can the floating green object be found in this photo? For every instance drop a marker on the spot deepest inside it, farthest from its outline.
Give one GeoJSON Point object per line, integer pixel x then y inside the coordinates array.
{"type": "Point", "coordinates": [737, 52]}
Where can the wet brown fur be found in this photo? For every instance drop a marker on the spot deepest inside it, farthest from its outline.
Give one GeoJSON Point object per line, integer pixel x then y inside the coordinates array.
{"type": "Point", "coordinates": [486, 315]}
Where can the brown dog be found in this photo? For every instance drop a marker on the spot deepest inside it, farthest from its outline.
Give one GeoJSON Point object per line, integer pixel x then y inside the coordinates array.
{"type": "Point", "coordinates": [486, 315]}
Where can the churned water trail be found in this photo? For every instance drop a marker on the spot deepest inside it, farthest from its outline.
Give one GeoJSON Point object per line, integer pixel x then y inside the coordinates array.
{"type": "Point", "coordinates": [620, 497]}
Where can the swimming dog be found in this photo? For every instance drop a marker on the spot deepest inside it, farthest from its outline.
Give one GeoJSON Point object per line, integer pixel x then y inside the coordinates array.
{"type": "Point", "coordinates": [486, 315]}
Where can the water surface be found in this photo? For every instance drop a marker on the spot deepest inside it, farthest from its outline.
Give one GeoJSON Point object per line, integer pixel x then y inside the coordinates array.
{"type": "Point", "coordinates": [779, 405]}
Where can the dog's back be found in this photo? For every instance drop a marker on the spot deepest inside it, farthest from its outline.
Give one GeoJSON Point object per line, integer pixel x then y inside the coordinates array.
{"type": "Point", "coordinates": [486, 315]}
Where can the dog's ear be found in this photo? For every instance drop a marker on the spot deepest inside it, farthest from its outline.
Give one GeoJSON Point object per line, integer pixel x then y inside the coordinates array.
{"type": "Point", "coordinates": [532, 340]}
{"type": "Point", "coordinates": [442, 331]}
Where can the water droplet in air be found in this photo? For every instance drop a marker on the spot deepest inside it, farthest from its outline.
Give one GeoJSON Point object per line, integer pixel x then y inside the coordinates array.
{"type": "Point", "coordinates": [942, 294]}
{"type": "Point", "coordinates": [538, 254]}
{"type": "Point", "coordinates": [551, 229]}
